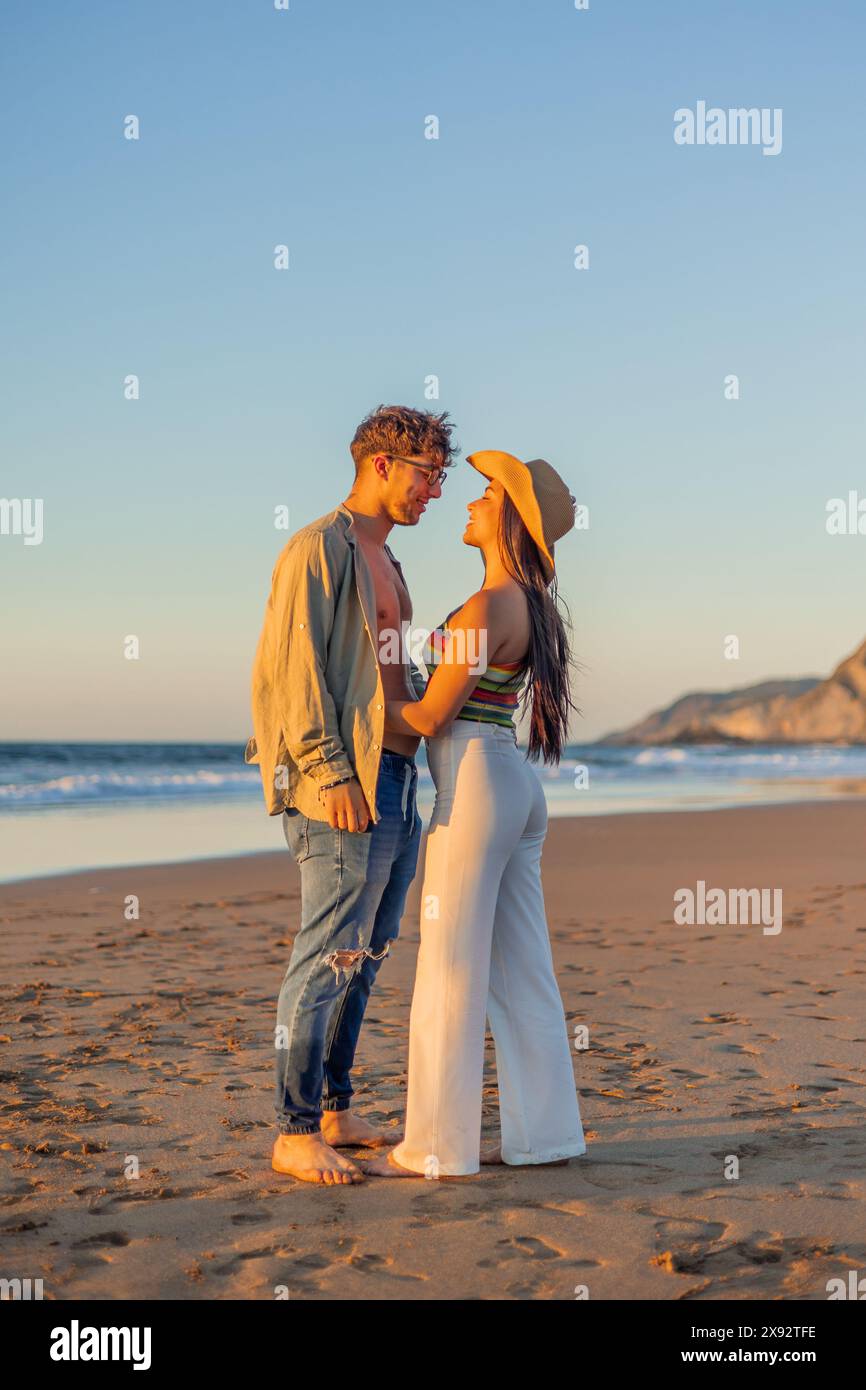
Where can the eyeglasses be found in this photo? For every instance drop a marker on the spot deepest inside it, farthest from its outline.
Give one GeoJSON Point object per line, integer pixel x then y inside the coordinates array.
{"type": "Point", "coordinates": [434, 473]}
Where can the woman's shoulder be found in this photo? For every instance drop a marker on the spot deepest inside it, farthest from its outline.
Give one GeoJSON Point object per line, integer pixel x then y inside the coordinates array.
{"type": "Point", "coordinates": [503, 613]}
{"type": "Point", "coordinates": [475, 607]}
{"type": "Point", "coordinates": [473, 614]}
{"type": "Point", "coordinates": [501, 608]}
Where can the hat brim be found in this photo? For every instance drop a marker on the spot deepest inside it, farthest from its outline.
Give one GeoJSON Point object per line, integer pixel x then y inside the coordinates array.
{"type": "Point", "coordinates": [516, 479]}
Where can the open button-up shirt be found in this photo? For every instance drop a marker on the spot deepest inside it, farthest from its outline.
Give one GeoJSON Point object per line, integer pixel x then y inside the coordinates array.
{"type": "Point", "coordinates": [318, 705]}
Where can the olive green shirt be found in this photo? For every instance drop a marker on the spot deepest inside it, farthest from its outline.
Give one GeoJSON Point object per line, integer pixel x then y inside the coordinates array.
{"type": "Point", "coordinates": [318, 705]}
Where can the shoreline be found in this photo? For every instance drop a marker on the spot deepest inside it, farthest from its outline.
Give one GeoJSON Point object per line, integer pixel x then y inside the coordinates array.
{"type": "Point", "coordinates": [61, 876]}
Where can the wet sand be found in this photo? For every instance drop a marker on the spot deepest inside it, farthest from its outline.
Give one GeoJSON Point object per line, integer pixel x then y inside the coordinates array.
{"type": "Point", "coordinates": [146, 1046]}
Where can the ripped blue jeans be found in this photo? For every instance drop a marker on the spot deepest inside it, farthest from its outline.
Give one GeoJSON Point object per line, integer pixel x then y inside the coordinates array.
{"type": "Point", "coordinates": [353, 892]}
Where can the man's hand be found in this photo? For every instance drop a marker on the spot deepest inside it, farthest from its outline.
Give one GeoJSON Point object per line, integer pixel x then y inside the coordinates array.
{"type": "Point", "coordinates": [346, 806]}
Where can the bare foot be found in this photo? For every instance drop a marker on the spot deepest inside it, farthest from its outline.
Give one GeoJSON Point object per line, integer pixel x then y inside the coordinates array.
{"type": "Point", "coordinates": [310, 1158]}
{"type": "Point", "coordinates": [388, 1167]}
{"type": "Point", "coordinates": [344, 1130]}
{"type": "Point", "coordinates": [495, 1156]}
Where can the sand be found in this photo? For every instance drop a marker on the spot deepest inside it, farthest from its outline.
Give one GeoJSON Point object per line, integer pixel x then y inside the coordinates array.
{"type": "Point", "coordinates": [150, 1041]}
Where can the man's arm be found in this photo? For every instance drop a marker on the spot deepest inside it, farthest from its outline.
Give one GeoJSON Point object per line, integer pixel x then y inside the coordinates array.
{"type": "Point", "coordinates": [304, 596]}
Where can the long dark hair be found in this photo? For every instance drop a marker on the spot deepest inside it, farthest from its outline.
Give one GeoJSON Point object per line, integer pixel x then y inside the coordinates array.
{"type": "Point", "coordinates": [549, 659]}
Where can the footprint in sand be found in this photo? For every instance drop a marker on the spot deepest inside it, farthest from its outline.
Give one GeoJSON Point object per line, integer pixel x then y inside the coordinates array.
{"type": "Point", "coordinates": [371, 1263]}
{"type": "Point", "coordinates": [528, 1247]}
{"type": "Point", "coordinates": [687, 1237]}
{"type": "Point", "coordinates": [614, 1177]}
{"type": "Point", "coordinates": [755, 1266]}
{"type": "Point", "coordinates": [105, 1238]}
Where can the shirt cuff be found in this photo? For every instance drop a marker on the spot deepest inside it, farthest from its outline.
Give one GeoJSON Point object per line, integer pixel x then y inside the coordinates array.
{"type": "Point", "coordinates": [331, 769]}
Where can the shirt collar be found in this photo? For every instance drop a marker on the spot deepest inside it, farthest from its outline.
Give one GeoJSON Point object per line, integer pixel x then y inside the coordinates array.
{"type": "Point", "coordinates": [348, 520]}
{"type": "Point", "coordinates": [343, 511]}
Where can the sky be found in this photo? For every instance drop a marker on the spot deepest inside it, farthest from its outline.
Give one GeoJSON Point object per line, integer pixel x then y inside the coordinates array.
{"type": "Point", "coordinates": [412, 258]}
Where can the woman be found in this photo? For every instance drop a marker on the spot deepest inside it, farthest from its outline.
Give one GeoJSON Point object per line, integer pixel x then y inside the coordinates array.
{"type": "Point", "coordinates": [485, 950]}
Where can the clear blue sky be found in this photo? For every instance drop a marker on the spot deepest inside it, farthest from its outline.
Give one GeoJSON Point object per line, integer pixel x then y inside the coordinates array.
{"type": "Point", "coordinates": [412, 257]}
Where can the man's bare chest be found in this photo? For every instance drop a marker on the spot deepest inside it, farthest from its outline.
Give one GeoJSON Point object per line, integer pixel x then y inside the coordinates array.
{"type": "Point", "coordinates": [393, 605]}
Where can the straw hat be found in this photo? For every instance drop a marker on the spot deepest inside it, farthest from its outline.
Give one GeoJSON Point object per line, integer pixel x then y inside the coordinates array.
{"type": "Point", "coordinates": [544, 502]}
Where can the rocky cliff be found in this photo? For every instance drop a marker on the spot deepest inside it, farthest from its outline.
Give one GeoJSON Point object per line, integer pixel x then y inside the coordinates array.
{"type": "Point", "coordinates": [809, 710]}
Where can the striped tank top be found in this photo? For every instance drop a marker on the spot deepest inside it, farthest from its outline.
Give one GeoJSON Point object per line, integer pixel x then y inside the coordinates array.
{"type": "Point", "coordinates": [495, 697]}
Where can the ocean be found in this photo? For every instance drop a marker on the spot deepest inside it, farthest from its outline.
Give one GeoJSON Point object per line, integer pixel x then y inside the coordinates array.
{"type": "Point", "coordinates": [69, 806]}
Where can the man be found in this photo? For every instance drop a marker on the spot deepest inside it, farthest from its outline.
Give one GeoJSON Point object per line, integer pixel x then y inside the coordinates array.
{"type": "Point", "coordinates": [324, 668]}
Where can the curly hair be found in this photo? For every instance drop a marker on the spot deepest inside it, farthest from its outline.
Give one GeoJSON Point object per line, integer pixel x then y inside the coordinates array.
{"type": "Point", "coordinates": [398, 429]}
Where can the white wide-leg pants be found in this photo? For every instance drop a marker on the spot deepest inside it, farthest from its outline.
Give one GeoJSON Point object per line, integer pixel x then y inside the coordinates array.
{"type": "Point", "coordinates": [485, 951]}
